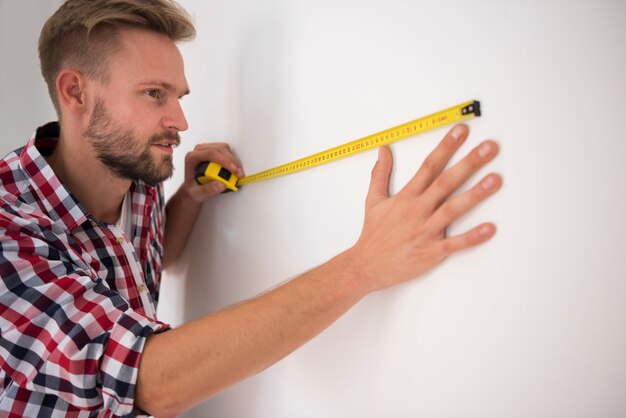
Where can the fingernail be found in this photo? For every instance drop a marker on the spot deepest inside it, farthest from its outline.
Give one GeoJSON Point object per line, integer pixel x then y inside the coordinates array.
{"type": "Point", "coordinates": [219, 187]}
{"type": "Point", "coordinates": [484, 230]}
{"type": "Point", "coordinates": [457, 132]}
{"type": "Point", "coordinates": [488, 182]}
{"type": "Point", "coordinates": [484, 149]}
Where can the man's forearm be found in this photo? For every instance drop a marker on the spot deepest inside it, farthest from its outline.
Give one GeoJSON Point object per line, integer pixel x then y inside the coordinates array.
{"type": "Point", "coordinates": [185, 366]}
{"type": "Point", "coordinates": [181, 214]}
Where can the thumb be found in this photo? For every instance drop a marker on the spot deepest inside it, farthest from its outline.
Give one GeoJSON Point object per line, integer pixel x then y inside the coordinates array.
{"type": "Point", "coordinates": [379, 185]}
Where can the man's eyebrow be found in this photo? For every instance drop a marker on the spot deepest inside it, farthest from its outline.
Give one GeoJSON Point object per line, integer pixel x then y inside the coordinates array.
{"type": "Point", "coordinates": [164, 85]}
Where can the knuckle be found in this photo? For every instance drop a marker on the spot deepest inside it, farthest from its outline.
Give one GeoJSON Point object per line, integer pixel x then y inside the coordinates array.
{"type": "Point", "coordinates": [430, 165]}
{"type": "Point", "coordinates": [447, 247]}
{"type": "Point", "coordinates": [449, 212]}
{"type": "Point", "coordinates": [211, 153]}
{"type": "Point", "coordinates": [474, 160]}
{"type": "Point", "coordinates": [445, 183]}
{"type": "Point", "coordinates": [470, 239]}
{"type": "Point", "coordinates": [477, 194]}
{"type": "Point", "coordinates": [191, 158]}
{"type": "Point", "coordinates": [212, 188]}
{"type": "Point", "coordinates": [431, 230]}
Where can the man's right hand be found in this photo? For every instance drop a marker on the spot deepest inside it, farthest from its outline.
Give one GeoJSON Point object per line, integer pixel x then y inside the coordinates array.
{"type": "Point", "coordinates": [404, 235]}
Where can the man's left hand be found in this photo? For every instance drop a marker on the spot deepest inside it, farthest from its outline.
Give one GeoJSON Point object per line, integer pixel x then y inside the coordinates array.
{"type": "Point", "coordinates": [219, 153]}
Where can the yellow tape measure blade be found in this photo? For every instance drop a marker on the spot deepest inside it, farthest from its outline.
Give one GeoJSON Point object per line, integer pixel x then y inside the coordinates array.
{"type": "Point", "coordinates": [209, 171]}
{"type": "Point", "coordinates": [417, 126]}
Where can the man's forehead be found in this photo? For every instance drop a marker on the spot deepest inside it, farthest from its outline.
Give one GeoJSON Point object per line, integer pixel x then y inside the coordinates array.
{"type": "Point", "coordinates": [151, 58]}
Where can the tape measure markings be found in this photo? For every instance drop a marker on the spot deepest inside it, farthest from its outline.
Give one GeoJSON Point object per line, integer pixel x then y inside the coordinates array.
{"type": "Point", "coordinates": [423, 124]}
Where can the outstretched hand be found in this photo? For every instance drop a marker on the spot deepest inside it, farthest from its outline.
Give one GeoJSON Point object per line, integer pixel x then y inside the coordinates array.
{"type": "Point", "coordinates": [404, 235]}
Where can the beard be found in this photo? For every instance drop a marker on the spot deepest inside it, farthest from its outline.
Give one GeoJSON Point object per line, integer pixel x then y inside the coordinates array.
{"type": "Point", "coordinates": [123, 153]}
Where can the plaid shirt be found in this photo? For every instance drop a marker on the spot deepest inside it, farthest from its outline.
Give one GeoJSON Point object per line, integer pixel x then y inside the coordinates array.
{"type": "Point", "coordinates": [77, 296]}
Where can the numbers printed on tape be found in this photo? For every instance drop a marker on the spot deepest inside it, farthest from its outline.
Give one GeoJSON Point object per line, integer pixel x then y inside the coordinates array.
{"type": "Point", "coordinates": [209, 171]}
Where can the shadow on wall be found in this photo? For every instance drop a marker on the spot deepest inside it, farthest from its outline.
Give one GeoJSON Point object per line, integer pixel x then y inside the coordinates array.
{"type": "Point", "coordinates": [258, 89]}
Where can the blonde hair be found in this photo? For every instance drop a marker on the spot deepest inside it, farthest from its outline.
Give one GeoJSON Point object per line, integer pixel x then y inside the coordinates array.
{"type": "Point", "coordinates": [83, 34]}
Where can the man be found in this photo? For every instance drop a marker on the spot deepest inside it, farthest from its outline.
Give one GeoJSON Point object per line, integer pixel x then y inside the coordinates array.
{"type": "Point", "coordinates": [84, 235]}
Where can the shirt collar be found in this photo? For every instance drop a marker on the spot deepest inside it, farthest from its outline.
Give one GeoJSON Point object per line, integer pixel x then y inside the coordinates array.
{"type": "Point", "coordinates": [60, 204]}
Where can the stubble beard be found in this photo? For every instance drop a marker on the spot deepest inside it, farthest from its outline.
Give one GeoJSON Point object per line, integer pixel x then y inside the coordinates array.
{"type": "Point", "coordinates": [123, 153]}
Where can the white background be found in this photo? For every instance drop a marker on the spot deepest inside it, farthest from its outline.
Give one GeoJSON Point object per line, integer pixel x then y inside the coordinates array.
{"type": "Point", "coordinates": [533, 324]}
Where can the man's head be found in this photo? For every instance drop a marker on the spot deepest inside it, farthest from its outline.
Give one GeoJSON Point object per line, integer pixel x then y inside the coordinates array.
{"type": "Point", "coordinates": [115, 77]}
{"type": "Point", "coordinates": [84, 34]}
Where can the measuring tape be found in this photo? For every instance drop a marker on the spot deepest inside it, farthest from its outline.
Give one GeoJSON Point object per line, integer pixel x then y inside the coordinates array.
{"type": "Point", "coordinates": [210, 171]}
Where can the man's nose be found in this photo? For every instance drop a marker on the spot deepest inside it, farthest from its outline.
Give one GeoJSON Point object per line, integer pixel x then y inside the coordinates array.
{"type": "Point", "coordinates": [175, 118]}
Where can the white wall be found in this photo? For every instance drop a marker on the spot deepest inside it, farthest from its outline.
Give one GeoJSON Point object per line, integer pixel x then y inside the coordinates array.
{"type": "Point", "coordinates": [533, 324]}
{"type": "Point", "coordinates": [24, 100]}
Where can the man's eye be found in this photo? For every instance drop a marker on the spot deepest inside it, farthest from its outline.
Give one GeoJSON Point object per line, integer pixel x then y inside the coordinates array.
{"type": "Point", "coordinates": [155, 94]}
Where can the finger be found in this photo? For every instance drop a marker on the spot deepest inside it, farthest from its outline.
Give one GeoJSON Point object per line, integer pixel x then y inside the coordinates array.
{"type": "Point", "coordinates": [454, 208]}
{"type": "Point", "coordinates": [471, 238]}
{"type": "Point", "coordinates": [218, 155]}
{"type": "Point", "coordinates": [221, 148]}
{"type": "Point", "coordinates": [212, 145]}
{"type": "Point", "coordinates": [379, 184]}
{"type": "Point", "coordinates": [436, 161]}
{"type": "Point", "coordinates": [453, 178]}
{"type": "Point", "coordinates": [210, 189]}
{"type": "Point", "coordinates": [201, 192]}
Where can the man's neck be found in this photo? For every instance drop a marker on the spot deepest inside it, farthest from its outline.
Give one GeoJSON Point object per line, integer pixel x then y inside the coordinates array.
{"type": "Point", "coordinates": [93, 184]}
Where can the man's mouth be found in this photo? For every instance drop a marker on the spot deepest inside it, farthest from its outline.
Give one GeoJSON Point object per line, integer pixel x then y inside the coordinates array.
{"type": "Point", "coordinates": [166, 144]}
{"type": "Point", "coordinates": [166, 140]}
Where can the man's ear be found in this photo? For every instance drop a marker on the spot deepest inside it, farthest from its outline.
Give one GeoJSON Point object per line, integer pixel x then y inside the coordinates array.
{"type": "Point", "coordinates": [71, 90]}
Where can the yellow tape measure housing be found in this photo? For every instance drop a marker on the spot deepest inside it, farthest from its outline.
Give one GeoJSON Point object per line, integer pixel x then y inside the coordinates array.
{"type": "Point", "coordinates": [207, 171]}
